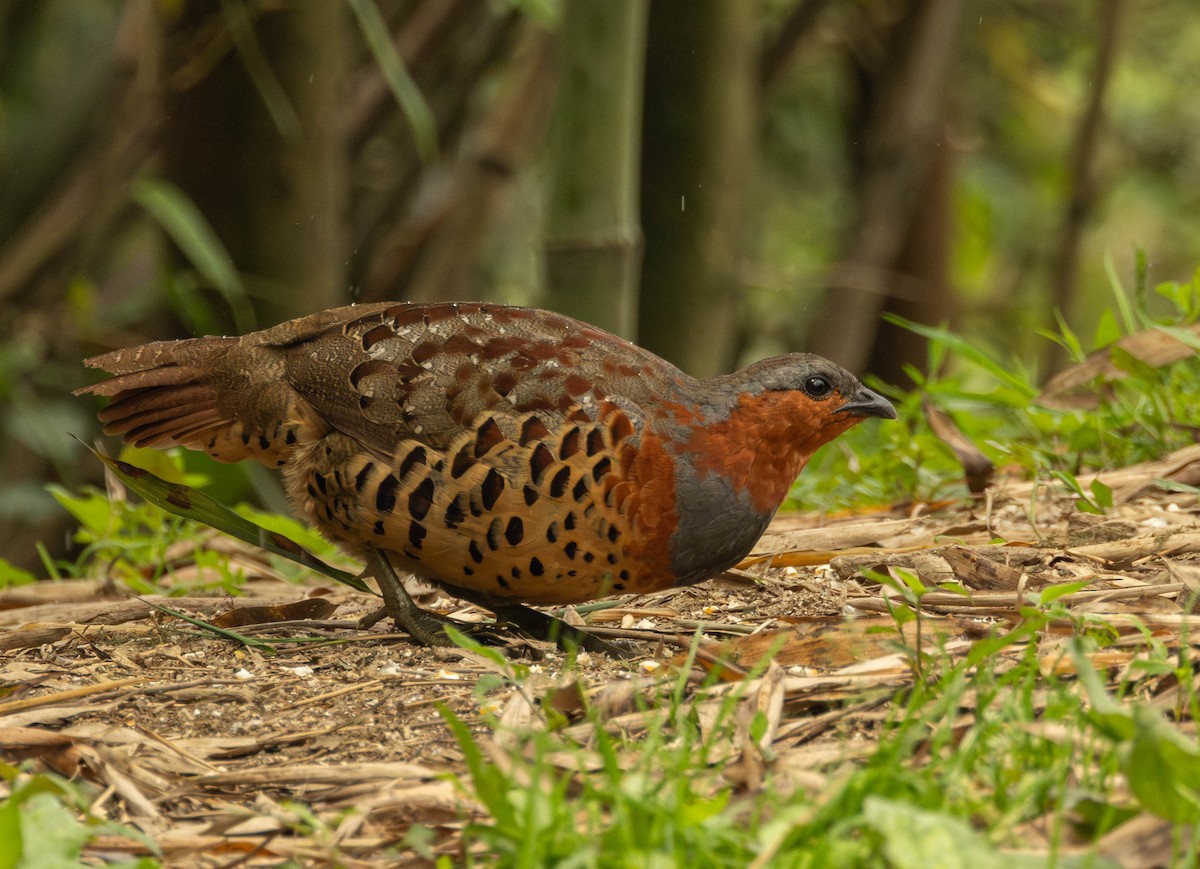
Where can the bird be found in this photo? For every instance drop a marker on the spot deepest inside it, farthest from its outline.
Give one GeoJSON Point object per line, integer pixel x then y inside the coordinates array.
{"type": "Point", "coordinates": [510, 455]}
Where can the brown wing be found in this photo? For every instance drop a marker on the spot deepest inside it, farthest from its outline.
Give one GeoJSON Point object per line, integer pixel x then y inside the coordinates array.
{"type": "Point", "coordinates": [426, 372]}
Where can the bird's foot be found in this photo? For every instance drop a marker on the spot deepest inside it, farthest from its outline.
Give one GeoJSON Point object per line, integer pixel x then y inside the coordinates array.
{"type": "Point", "coordinates": [424, 627]}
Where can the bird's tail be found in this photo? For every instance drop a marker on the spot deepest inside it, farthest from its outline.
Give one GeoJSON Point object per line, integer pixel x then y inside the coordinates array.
{"type": "Point", "coordinates": [176, 393]}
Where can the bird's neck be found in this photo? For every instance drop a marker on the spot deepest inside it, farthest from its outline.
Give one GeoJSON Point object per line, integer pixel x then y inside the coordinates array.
{"type": "Point", "coordinates": [760, 445]}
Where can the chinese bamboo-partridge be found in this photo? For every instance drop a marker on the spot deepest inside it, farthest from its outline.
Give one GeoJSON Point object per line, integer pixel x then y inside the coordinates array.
{"type": "Point", "coordinates": [508, 454]}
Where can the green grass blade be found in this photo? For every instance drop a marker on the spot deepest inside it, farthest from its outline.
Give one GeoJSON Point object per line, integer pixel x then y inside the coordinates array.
{"type": "Point", "coordinates": [997, 369]}
{"type": "Point", "coordinates": [220, 632]}
{"type": "Point", "coordinates": [182, 220]}
{"type": "Point", "coordinates": [195, 505]}
{"type": "Point", "coordinates": [241, 29]}
{"type": "Point", "coordinates": [391, 64]}
{"type": "Point", "coordinates": [1120, 294]}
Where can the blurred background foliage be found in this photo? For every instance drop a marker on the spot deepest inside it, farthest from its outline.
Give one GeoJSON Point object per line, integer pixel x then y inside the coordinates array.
{"type": "Point", "coordinates": [719, 179]}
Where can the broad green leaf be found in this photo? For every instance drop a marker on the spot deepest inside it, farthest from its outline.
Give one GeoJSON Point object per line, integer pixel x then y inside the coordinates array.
{"type": "Point", "coordinates": [1163, 768]}
{"type": "Point", "coordinates": [166, 464]}
{"type": "Point", "coordinates": [915, 838]}
{"type": "Point", "coordinates": [53, 837]}
{"type": "Point", "coordinates": [90, 510]}
{"type": "Point", "coordinates": [1102, 493]}
{"type": "Point", "coordinates": [911, 580]}
{"type": "Point", "coordinates": [700, 811]}
{"type": "Point", "coordinates": [1069, 480]}
{"type": "Point", "coordinates": [11, 840]}
{"type": "Point", "coordinates": [11, 575]}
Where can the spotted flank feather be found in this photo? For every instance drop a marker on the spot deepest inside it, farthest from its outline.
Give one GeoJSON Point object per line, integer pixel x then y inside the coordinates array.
{"type": "Point", "coordinates": [513, 508]}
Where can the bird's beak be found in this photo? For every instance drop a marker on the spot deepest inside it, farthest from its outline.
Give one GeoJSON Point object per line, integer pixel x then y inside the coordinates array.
{"type": "Point", "coordinates": [868, 403]}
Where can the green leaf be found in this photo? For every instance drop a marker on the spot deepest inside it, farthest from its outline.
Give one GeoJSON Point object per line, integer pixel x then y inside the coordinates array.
{"type": "Point", "coordinates": [1141, 273]}
{"type": "Point", "coordinates": [915, 838]}
{"type": "Point", "coordinates": [294, 529]}
{"type": "Point", "coordinates": [249, 642]}
{"type": "Point", "coordinates": [1125, 361]}
{"type": "Point", "coordinates": [167, 464]}
{"type": "Point", "coordinates": [1107, 330]}
{"type": "Point", "coordinates": [239, 20]}
{"type": "Point", "coordinates": [1102, 494]}
{"type": "Point", "coordinates": [11, 575]}
{"type": "Point", "coordinates": [912, 581]}
{"type": "Point", "coordinates": [701, 811]}
{"type": "Point", "coordinates": [1106, 714]}
{"type": "Point", "coordinates": [1069, 480]}
{"type": "Point", "coordinates": [1182, 296]}
{"type": "Point", "coordinates": [1069, 339]}
{"type": "Point", "coordinates": [466, 643]}
{"type": "Point", "coordinates": [90, 510]}
{"type": "Point", "coordinates": [403, 88]}
{"type": "Point", "coordinates": [11, 840]}
{"type": "Point", "coordinates": [1176, 486]}
{"type": "Point", "coordinates": [1187, 337]}
{"type": "Point", "coordinates": [1163, 768]}
{"type": "Point", "coordinates": [955, 587]}
{"type": "Point", "coordinates": [900, 612]}
{"type": "Point", "coordinates": [187, 227]}
{"type": "Point", "coordinates": [52, 829]}
{"type": "Point", "coordinates": [491, 786]}
{"type": "Point", "coordinates": [1051, 593]}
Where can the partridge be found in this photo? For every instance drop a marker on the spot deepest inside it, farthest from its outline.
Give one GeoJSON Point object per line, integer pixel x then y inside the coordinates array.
{"type": "Point", "coordinates": [510, 455]}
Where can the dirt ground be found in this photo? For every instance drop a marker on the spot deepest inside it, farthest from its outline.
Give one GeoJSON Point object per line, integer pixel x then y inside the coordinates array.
{"type": "Point", "coordinates": [201, 741]}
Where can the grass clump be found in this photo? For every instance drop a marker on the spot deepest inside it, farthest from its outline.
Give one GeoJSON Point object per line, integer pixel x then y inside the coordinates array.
{"type": "Point", "coordinates": [1127, 411]}
{"type": "Point", "coordinates": [998, 756]}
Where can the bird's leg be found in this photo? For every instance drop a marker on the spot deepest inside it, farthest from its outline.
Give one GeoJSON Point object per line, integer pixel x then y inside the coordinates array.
{"type": "Point", "coordinates": [426, 628]}
{"type": "Point", "coordinates": [422, 626]}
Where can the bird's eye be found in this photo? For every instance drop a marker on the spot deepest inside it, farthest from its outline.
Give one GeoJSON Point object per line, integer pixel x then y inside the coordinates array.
{"type": "Point", "coordinates": [817, 387]}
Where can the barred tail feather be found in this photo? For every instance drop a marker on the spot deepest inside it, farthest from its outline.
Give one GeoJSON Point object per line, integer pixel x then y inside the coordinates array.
{"type": "Point", "coordinates": [165, 394]}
